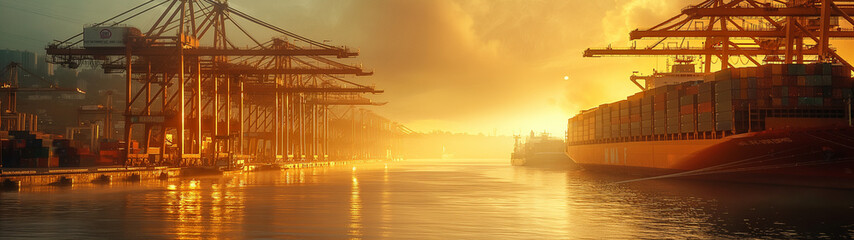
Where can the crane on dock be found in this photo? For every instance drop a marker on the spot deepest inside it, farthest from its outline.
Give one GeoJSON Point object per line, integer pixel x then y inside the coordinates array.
{"type": "Point", "coordinates": [10, 118]}
{"type": "Point", "coordinates": [196, 97]}
{"type": "Point", "coordinates": [754, 31]}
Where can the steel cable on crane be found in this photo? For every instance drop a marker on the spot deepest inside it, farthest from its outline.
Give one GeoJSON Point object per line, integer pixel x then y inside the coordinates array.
{"type": "Point", "coordinates": [165, 24]}
{"type": "Point", "coordinates": [246, 33]}
{"type": "Point", "coordinates": [156, 23]}
{"type": "Point", "coordinates": [207, 22]}
{"type": "Point", "coordinates": [272, 27]}
{"type": "Point", "coordinates": [171, 20]}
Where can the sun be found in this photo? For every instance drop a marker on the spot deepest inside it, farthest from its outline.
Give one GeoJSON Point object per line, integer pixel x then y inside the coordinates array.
{"type": "Point", "coordinates": [565, 77]}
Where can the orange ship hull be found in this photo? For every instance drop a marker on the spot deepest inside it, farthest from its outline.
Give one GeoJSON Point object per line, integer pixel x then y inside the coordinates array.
{"type": "Point", "coordinates": [649, 154]}
{"type": "Point", "coordinates": [815, 157]}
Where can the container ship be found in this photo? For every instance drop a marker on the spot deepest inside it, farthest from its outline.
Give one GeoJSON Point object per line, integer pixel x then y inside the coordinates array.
{"type": "Point", "coordinates": [539, 150]}
{"type": "Point", "coordinates": [779, 122]}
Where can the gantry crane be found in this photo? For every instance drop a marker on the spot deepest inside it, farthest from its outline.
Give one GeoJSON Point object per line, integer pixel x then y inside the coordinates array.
{"type": "Point", "coordinates": [775, 30]}
{"type": "Point", "coordinates": [200, 99]}
{"type": "Point", "coordinates": [10, 118]}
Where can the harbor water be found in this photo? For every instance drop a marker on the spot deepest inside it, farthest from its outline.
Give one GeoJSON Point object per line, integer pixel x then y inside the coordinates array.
{"type": "Point", "coordinates": [424, 199]}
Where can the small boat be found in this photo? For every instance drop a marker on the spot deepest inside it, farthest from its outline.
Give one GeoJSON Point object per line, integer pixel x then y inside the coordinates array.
{"type": "Point", "coordinates": [539, 150]}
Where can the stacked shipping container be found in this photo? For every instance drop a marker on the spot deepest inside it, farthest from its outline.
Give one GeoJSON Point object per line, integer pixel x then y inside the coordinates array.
{"type": "Point", "coordinates": [705, 107]}
{"type": "Point", "coordinates": [647, 115]}
{"type": "Point", "coordinates": [24, 149]}
{"type": "Point", "coordinates": [672, 112]}
{"type": "Point", "coordinates": [688, 108]}
{"type": "Point", "coordinates": [635, 114]}
{"type": "Point", "coordinates": [659, 120]}
{"type": "Point", "coordinates": [721, 103]}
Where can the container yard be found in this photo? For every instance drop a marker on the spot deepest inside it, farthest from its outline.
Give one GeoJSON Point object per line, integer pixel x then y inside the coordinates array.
{"type": "Point", "coordinates": [191, 98]}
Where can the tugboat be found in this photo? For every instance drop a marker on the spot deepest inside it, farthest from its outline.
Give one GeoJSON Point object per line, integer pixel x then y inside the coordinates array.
{"type": "Point", "coordinates": [541, 150]}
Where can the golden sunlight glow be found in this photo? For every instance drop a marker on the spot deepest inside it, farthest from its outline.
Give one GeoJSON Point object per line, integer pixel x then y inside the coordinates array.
{"type": "Point", "coordinates": [385, 212]}
{"type": "Point", "coordinates": [355, 209]}
{"type": "Point", "coordinates": [194, 184]}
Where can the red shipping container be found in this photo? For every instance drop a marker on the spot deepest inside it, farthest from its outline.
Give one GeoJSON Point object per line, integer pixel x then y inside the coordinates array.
{"type": "Point", "coordinates": [110, 146]}
{"type": "Point", "coordinates": [779, 69]}
{"type": "Point", "coordinates": [109, 153]}
{"type": "Point", "coordinates": [762, 71]}
{"type": "Point", "coordinates": [83, 151]}
{"type": "Point", "coordinates": [763, 83]}
{"type": "Point", "coordinates": [692, 90]}
{"type": "Point", "coordinates": [777, 80]}
{"type": "Point", "coordinates": [704, 107]}
{"type": "Point", "coordinates": [735, 73]}
{"type": "Point", "coordinates": [636, 117]}
{"type": "Point", "coordinates": [687, 109]}
{"type": "Point", "coordinates": [791, 80]}
{"type": "Point", "coordinates": [47, 162]}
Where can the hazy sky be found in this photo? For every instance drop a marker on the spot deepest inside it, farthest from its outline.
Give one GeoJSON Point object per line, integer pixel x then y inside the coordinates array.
{"type": "Point", "coordinates": [463, 66]}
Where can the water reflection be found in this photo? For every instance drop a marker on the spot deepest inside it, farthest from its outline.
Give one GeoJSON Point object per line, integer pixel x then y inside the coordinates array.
{"type": "Point", "coordinates": [416, 199]}
{"type": "Point", "coordinates": [355, 208]}
{"type": "Point", "coordinates": [200, 208]}
{"type": "Point", "coordinates": [385, 209]}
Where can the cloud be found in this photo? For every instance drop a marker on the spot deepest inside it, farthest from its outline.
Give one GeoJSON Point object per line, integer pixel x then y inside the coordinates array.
{"type": "Point", "coordinates": [470, 65]}
{"type": "Point", "coordinates": [628, 15]}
